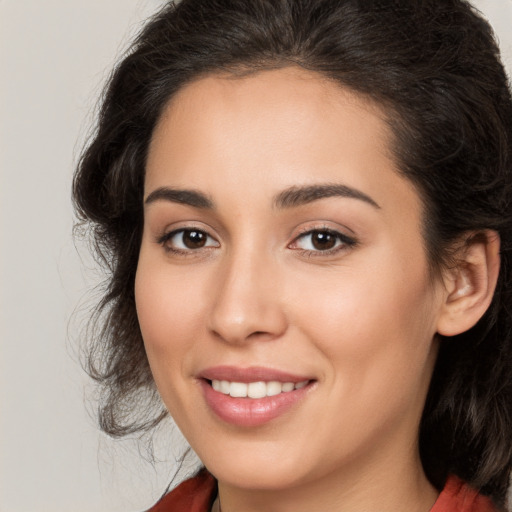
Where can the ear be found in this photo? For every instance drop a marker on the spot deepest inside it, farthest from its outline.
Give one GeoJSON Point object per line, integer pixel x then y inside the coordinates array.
{"type": "Point", "coordinates": [470, 285]}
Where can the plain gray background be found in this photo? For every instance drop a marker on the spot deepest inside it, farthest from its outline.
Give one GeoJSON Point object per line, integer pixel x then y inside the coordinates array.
{"type": "Point", "coordinates": [54, 58]}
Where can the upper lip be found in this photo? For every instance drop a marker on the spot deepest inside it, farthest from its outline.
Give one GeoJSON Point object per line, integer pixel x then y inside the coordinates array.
{"type": "Point", "coordinates": [250, 374]}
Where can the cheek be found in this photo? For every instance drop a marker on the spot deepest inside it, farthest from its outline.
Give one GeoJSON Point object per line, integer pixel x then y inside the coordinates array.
{"type": "Point", "coordinates": [375, 325]}
{"type": "Point", "coordinates": [169, 315]}
{"type": "Point", "coordinates": [169, 312]}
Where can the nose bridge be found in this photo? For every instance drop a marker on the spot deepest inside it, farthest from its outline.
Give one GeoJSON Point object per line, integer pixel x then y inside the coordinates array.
{"type": "Point", "coordinates": [246, 303]}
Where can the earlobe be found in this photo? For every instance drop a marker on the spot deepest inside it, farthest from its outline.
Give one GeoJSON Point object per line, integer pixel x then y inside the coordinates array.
{"type": "Point", "coordinates": [470, 285]}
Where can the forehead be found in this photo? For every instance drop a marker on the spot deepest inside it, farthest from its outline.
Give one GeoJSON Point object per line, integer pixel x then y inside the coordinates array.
{"type": "Point", "coordinates": [281, 87]}
{"type": "Point", "coordinates": [271, 130]}
{"type": "Point", "coordinates": [277, 95]}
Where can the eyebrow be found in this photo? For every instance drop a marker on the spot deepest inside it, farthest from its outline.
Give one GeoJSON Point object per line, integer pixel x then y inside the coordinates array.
{"type": "Point", "coordinates": [298, 196]}
{"type": "Point", "coordinates": [289, 198]}
{"type": "Point", "coordinates": [181, 196]}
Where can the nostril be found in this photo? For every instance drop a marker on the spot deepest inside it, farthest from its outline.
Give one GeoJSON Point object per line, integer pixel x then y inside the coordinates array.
{"type": "Point", "coordinates": [259, 333]}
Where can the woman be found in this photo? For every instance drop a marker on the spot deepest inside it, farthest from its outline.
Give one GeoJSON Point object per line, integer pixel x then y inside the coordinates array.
{"type": "Point", "coordinates": [305, 206]}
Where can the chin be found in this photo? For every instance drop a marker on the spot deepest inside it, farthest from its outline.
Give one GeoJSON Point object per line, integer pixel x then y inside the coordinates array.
{"type": "Point", "coordinates": [247, 476]}
{"type": "Point", "coordinates": [257, 471]}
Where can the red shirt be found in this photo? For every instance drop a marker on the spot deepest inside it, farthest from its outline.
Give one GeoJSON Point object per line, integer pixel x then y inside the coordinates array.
{"type": "Point", "coordinates": [198, 494]}
{"type": "Point", "coordinates": [460, 497]}
{"type": "Point", "coordinates": [194, 495]}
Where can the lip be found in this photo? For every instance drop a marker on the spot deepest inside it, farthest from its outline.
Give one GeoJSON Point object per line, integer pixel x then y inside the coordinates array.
{"type": "Point", "coordinates": [250, 374]}
{"type": "Point", "coordinates": [251, 412]}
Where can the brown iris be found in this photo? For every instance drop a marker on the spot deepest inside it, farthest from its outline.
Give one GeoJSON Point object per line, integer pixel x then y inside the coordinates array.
{"type": "Point", "coordinates": [193, 239]}
{"type": "Point", "coordinates": [323, 240]}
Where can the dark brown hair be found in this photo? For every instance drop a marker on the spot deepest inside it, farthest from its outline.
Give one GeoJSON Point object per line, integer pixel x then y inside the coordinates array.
{"type": "Point", "coordinates": [434, 66]}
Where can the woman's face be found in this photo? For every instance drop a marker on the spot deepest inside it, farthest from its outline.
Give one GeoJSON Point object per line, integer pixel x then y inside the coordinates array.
{"type": "Point", "coordinates": [282, 257]}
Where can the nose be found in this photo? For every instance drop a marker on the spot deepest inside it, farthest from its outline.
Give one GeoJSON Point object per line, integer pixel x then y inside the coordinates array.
{"type": "Point", "coordinates": [246, 301]}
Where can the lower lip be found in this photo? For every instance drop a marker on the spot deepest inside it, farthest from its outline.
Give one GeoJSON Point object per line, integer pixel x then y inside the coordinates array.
{"type": "Point", "coordinates": [251, 412]}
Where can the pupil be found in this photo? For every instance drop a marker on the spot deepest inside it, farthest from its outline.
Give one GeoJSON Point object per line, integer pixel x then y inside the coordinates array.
{"type": "Point", "coordinates": [323, 240]}
{"type": "Point", "coordinates": [194, 239]}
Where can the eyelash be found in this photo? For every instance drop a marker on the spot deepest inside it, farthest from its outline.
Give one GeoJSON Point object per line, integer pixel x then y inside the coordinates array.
{"type": "Point", "coordinates": [342, 242]}
{"type": "Point", "coordinates": [166, 237]}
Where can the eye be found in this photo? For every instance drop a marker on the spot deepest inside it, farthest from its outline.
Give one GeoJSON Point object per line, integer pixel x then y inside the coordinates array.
{"type": "Point", "coordinates": [185, 240]}
{"type": "Point", "coordinates": [322, 240]}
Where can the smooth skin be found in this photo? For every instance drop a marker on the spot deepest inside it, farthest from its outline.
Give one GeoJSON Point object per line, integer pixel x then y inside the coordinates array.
{"type": "Point", "coordinates": [337, 288]}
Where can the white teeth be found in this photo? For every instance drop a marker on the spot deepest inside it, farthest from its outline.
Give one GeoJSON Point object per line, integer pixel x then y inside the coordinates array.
{"type": "Point", "coordinates": [288, 386]}
{"type": "Point", "coordinates": [238, 389]}
{"type": "Point", "coordinates": [224, 386]}
{"type": "Point", "coordinates": [274, 388]}
{"type": "Point", "coordinates": [258, 389]}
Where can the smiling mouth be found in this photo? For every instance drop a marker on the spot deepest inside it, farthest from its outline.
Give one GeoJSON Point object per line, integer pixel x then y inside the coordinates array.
{"type": "Point", "coordinates": [254, 390]}
{"type": "Point", "coordinates": [252, 397]}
